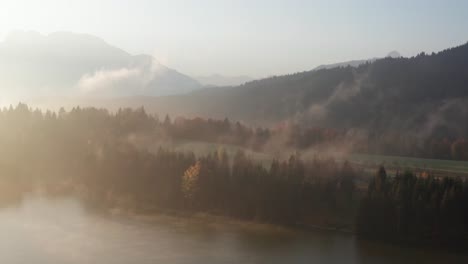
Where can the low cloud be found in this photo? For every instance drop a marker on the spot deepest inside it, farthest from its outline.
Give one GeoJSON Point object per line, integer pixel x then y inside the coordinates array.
{"type": "Point", "coordinates": [110, 81]}
{"type": "Point", "coordinates": [318, 111]}
{"type": "Point", "coordinates": [131, 80]}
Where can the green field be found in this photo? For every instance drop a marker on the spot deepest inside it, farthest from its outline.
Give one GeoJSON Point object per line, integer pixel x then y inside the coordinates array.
{"type": "Point", "coordinates": [434, 165]}
{"type": "Point", "coordinates": [367, 161]}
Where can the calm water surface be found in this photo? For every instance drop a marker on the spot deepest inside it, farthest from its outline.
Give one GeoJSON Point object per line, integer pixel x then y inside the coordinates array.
{"type": "Point", "coordinates": [61, 231]}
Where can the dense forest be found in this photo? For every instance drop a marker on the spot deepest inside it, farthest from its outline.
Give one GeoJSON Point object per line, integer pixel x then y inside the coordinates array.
{"type": "Point", "coordinates": [291, 136]}
{"type": "Point", "coordinates": [115, 160]}
{"type": "Point", "coordinates": [411, 207]}
{"type": "Point", "coordinates": [300, 137]}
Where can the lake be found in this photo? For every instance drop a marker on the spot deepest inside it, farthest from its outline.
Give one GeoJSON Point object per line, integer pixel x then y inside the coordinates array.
{"type": "Point", "coordinates": [61, 230]}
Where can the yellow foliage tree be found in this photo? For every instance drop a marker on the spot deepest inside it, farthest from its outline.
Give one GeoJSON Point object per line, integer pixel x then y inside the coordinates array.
{"type": "Point", "coordinates": [190, 182]}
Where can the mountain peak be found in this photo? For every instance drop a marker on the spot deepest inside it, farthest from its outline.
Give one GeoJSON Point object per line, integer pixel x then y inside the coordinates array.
{"type": "Point", "coordinates": [394, 54]}
{"type": "Point", "coordinates": [59, 63]}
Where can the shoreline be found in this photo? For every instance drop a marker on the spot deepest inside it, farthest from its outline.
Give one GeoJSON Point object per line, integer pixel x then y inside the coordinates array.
{"type": "Point", "coordinates": [212, 218]}
{"type": "Point", "coordinates": [222, 222]}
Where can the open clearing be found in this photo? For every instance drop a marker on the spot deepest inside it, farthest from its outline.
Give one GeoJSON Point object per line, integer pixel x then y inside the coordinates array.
{"type": "Point", "coordinates": [367, 161]}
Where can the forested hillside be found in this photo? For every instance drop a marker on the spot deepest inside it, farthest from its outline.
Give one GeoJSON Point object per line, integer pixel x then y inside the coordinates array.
{"type": "Point", "coordinates": [427, 91]}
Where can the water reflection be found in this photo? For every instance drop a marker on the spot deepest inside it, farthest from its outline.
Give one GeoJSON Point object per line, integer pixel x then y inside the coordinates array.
{"type": "Point", "coordinates": [61, 230]}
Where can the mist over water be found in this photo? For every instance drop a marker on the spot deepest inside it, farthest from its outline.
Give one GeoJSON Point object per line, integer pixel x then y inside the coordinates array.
{"type": "Point", "coordinates": [62, 230]}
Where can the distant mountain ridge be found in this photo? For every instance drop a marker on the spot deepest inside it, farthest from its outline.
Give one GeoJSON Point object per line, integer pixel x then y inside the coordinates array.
{"type": "Point", "coordinates": [221, 80]}
{"type": "Point", "coordinates": [352, 63]}
{"type": "Point", "coordinates": [66, 63]}
{"type": "Point", "coordinates": [355, 63]}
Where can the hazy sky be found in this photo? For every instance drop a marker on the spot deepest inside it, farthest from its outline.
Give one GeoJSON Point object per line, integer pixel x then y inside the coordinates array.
{"type": "Point", "coordinates": [256, 38]}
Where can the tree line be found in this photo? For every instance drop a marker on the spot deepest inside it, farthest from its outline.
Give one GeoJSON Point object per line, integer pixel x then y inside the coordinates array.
{"type": "Point", "coordinates": [415, 208]}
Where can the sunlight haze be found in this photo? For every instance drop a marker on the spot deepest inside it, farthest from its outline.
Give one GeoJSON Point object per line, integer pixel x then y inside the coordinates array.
{"type": "Point", "coordinates": [233, 131]}
{"type": "Point", "coordinates": [253, 38]}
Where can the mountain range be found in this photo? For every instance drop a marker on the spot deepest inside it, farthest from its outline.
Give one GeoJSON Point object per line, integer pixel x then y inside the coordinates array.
{"type": "Point", "coordinates": [69, 64]}
{"type": "Point", "coordinates": [427, 93]}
